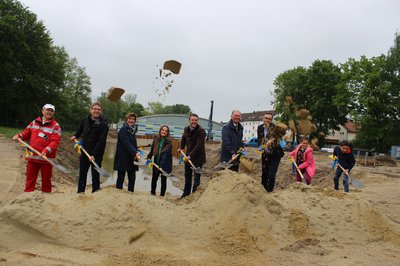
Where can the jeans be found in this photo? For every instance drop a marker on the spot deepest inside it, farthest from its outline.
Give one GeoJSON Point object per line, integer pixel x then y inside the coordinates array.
{"type": "Point", "coordinates": [345, 180]}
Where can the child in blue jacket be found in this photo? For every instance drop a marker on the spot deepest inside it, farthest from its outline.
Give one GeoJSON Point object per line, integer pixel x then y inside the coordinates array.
{"type": "Point", "coordinates": [346, 159]}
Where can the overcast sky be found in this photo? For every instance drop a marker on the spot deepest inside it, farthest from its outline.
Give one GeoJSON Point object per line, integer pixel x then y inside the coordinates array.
{"type": "Point", "coordinates": [231, 51]}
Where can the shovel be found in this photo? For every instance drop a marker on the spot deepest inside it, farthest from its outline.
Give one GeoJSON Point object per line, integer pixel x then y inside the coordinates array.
{"type": "Point", "coordinates": [59, 167]}
{"type": "Point", "coordinates": [298, 170]}
{"type": "Point", "coordinates": [195, 169]}
{"type": "Point", "coordinates": [103, 172]}
{"type": "Point", "coordinates": [355, 182]}
{"type": "Point", "coordinates": [163, 172]}
{"type": "Point", "coordinates": [229, 163]}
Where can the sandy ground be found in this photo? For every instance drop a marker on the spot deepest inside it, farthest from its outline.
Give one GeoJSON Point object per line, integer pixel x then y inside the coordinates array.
{"type": "Point", "coordinates": [231, 220]}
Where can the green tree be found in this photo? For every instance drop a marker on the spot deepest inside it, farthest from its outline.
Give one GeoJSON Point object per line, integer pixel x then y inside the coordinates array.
{"type": "Point", "coordinates": [35, 72]}
{"type": "Point", "coordinates": [31, 73]}
{"type": "Point", "coordinates": [154, 108]}
{"type": "Point", "coordinates": [375, 99]}
{"type": "Point", "coordinates": [323, 80]}
{"type": "Point", "coordinates": [292, 83]}
{"type": "Point", "coordinates": [177, 109]}
{"type": "Point", "coordinates": [76, 90]}
{"type": "Point", "coordinates": [112, 111]}
{"type": "Point", "coordinates": [132, 106]}
{"type": "Point", "coordinates": [314, 89]}
{"type": "Point", "coordinates": [136, 108]}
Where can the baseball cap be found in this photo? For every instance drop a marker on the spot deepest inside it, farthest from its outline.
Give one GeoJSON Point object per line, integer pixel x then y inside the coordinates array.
{"type": "Point", "coordinates": [49, 106]}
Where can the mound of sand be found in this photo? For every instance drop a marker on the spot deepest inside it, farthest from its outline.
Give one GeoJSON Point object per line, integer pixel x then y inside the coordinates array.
{"type": "Point", "coordinates": [232, 221]}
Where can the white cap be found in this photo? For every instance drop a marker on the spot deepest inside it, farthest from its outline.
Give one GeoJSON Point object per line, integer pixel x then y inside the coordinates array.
{"type": "Point", "coordinates": [49, 106]}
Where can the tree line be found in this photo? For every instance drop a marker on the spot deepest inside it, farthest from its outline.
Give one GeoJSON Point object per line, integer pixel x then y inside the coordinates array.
{"type": "Point", "coordinates": [365, 91]}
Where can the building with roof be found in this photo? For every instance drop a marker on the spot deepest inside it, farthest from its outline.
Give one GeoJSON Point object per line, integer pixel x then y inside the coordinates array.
{"type": "Point", "coordinates": [251, 121]}
{"type": "Point", "coordinates": [150, 125]}
{"type": "Point", "coordinates": [346, 132]}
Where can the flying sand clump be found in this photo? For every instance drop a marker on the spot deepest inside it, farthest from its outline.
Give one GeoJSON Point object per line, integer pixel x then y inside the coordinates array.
{"type": "Point", "coordinates": [166, 74]}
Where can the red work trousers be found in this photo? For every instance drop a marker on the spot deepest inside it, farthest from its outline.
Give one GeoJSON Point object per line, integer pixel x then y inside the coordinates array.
{"type": "Point", "coordinates": [32, 171]}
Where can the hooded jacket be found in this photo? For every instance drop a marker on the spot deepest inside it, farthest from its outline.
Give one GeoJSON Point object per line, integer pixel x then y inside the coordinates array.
{"type": "Point", "coordinates": [309, 163]}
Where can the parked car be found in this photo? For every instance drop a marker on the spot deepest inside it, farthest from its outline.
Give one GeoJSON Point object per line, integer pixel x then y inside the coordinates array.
{"type": "Point", "coordinates": [252, 142]}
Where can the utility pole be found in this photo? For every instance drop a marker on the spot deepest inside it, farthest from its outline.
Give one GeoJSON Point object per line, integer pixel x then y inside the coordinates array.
{"type": "Point", "coordinates": [210, 122]}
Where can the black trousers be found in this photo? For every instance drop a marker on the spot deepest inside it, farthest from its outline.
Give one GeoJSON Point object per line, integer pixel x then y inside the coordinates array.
{"type": "Point", "coordinates": [84, 165]}
{"type": "Point", "coordinates": [268, 174]}
{"type": "Point", "coordinates": [154, 179]}
{"type": "Point", "coordinates": [131, 180]}
{"type": "Point", "coordinates": [188, 180]}
{"type": "Point", "coordinates": [234, 167]}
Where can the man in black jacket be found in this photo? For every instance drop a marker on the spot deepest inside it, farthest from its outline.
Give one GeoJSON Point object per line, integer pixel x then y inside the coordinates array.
{"type": "Point", "coordinates": [193, 138]}
{"type": "Point", "coordinates": [269, 163]}
{"type": "Point", "coordinates": [93, 130]}
{"type": "Point", "coordinates": [232, 135]}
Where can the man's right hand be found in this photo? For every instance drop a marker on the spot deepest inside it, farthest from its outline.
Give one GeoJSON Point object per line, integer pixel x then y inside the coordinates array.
{"type": "Point", "coordinates": [73, 138]}
{"type": "Point", "coordinates": [16, 137]}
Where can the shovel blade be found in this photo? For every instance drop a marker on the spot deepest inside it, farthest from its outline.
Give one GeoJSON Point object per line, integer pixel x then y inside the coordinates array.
{"type": "Point", "coordinates": [63, 169]}
{"type": "Point", "coordinates": [102, 172]}
{"type": "Point", "coordinates": [197, 170]}
{"type": "Point", "coordinates": [357, 183]}
{"type": "Point", "coordinates": [223, 165]}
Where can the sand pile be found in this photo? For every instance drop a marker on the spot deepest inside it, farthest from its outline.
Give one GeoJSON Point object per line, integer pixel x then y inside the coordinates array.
{"type": "Point", "coordinates": [232, 221]}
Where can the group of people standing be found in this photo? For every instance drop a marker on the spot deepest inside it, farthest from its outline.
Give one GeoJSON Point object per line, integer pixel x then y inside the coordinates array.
{"type": "Point", "coordinates": [272, 153]}
{"type": "Point", "coordinates": [44, 134]}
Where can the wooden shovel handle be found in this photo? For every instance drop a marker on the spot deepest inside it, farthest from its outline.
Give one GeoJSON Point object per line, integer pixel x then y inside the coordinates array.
{"type": "Point", "coordinates": [184, 155]}
{"type": "Point", "coordinates": [34, 150]}
{"type": "Point", "coordinates": [83, 149]}
{"type": "Point", "coordinates": [298, 170]}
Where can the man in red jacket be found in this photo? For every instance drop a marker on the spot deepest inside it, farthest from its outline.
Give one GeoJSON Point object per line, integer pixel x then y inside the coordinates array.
{"type": "Point", "coordinates": [44, 135]}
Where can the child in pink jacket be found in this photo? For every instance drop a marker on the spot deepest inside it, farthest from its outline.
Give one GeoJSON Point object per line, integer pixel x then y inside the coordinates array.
{"type": "Point", "coordinates": [303, 156]}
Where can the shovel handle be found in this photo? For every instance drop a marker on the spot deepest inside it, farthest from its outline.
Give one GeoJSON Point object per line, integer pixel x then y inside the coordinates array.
{"type": "Point", "coordinates": [161, 170]}
{"type": "Point", "coordinates": [344, 170]}
{"type": "Point", "coordinates": [83, 149]}
{"type": "Point", "coordinates": [35, 151]}
{"type": "Point", "coordinates": [235, 156]}
{"type": "Point", "coordinates": [184, 155]}
{"type": "Point", "coordinates": [298, 170]}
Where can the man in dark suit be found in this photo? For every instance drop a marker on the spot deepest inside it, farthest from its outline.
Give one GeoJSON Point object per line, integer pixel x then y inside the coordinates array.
{"type": "Point", "coordinates": [232, 135]}
{"type": "Point", "coordinates": [193, 139]}
{"type": "Point", "coordinates": [270, 160]}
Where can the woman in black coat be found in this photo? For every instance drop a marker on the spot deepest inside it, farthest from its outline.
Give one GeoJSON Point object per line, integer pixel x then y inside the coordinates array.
{"type": "Point", "coordinates": [126, 153]}
{"type": "Point", "coordinates": [161, 149]}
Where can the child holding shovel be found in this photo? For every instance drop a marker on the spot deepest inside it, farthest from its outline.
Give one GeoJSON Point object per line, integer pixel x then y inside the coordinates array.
{"type": "Point", "coordinates": [161, 149]}
{"type": "Point", "coordinates": [347, 161]}
{"type": "Point", "coordinates": [303, 156]}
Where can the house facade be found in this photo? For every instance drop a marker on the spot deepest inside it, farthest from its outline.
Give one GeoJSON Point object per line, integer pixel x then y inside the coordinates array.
{"type": "Point", "coordinates": [251, 121]}
{"type": "Point", "coordinates": [346, 132]}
